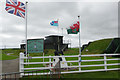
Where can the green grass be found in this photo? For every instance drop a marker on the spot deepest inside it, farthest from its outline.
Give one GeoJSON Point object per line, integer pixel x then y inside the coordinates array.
{"type": "Point", "coordinates": [14, 51]}
{"type": "Point", "coordinates": [72, 51]}
{"type": "Point", "coordinates": [6, 57]}
{"type": "Point", "coordinates": [15, 54]}
{"type": "Point", "coordinates": [97, 47]}
{"type": "Point", "coordinates": [0, 54]}
{"type": "Point", "coordinates": [109, 75]}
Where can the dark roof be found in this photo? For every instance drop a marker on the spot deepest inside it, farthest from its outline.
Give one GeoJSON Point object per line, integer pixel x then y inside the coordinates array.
{"type": "Point", "coordinates": [53, 36]}
{"type": "Point", "coordinates": [47, 41]}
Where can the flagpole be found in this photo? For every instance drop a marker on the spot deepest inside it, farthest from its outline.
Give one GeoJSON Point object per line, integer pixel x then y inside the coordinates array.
{"type": "Point", "coordinates": [62, 31]}
{"type": "Point", "coordinates": [26, 29]}
{"type": "Point", "coordinates": [79, 45]}
{"type": "Point", "coordinates": [58, 36]}
{"type": "Point", "coordinates": [58, 27]}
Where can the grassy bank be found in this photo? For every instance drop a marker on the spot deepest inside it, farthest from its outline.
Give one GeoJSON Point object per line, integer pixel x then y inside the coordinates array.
{"type": "Point", "coordinates": [97, 47]}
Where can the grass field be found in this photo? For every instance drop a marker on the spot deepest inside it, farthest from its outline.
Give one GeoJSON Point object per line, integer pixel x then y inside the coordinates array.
{"type": "Point", "coordinates": [109, 75]}
{"type": "Point", "coordinates": [97, 47]}
{"type": "Point", "coordinates": [94, 75]}
{"type": "Point", "coordinates": [47, 52]}
{"type": "Point", "coordinates": [14, 55]}
{"type": "Point", "coordinates": [6, 57]}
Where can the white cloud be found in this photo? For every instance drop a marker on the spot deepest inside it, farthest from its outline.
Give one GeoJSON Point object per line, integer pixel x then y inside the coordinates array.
{"type": "Point", "coordinates": [5, 36]}
{"type": "Point", "coordinates": [19, 27]}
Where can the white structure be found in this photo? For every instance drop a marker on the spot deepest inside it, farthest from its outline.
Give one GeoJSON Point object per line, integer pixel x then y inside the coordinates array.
{"type": "Point", "coordinates": [103, 56]}
{"type": "Point", "coordinates": [63, 63]}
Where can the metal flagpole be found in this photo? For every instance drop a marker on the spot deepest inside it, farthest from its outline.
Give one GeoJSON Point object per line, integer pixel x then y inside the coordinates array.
{"type": "Point", "coordinates": [58, 27]}
{"type": "Point", "coordinates": [26, 28]}
{"type": "Point", "coordinates": [58, 37]}
{"type": "Point", "coordinates": [79, 45]}
{"type": "Point", "coordinates": [62, 31]}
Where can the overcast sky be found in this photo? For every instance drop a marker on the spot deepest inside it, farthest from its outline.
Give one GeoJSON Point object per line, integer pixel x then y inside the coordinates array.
{"type": "Point", "coordinates": [98, 20]}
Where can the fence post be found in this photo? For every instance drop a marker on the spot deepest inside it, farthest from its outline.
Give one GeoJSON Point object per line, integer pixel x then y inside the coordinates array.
{"type": "Point", "coordinates": [79, 58]}
{"type": "Point", "coordinates": [50, 62]}
{"type": "Point", "coordinates": [105, 62]}
{"type": "Point", "coordinates": [21, 65]}
{"type": "Point", "coordinates": [50, 65]}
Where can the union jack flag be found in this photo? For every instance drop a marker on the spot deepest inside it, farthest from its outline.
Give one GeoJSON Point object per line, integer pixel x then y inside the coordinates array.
{"type": "Point", "coordinates": [15, 7]}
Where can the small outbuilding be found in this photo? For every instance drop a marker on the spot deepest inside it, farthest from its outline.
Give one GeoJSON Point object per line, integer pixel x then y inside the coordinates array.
{"type": "Point", "coordinates": [52, 42]}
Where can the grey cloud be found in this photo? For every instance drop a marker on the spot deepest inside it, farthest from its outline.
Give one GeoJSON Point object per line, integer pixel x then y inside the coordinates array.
{"type": "Point", "coordinates": [99, 20]}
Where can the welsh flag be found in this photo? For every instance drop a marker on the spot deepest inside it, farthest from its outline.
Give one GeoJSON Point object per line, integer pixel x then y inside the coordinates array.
{"type": "Point", "coordinates": [74, 29]}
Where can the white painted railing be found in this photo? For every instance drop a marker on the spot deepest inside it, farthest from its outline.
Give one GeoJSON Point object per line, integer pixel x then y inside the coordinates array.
{"type": "Point", "coordinates": [22, 63]}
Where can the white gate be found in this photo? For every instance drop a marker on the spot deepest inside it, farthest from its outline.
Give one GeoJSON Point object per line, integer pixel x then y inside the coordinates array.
{"type": "Point", "coordinates": [74, 66]}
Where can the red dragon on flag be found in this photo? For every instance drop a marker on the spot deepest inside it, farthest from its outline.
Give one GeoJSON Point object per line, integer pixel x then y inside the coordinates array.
{"type": "Point", "coordinates": [75, 27]}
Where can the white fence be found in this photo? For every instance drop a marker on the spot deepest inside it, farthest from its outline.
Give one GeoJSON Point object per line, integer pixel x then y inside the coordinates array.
{"type": "Point", "coordinates": [105, 59]}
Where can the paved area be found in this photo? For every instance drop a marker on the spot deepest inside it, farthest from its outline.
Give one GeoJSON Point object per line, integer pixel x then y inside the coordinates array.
{"type": "Point", "coordinates": [9, 66]}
